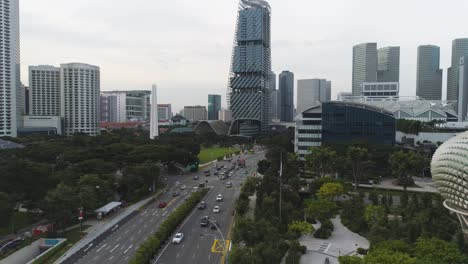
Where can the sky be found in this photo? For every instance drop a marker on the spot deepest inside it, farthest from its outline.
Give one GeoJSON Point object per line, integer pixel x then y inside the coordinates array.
{"type": "Point", "coordinates": [185, 46]}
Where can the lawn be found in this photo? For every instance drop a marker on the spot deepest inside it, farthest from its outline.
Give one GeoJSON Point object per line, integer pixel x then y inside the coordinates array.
{"type": "Point", "coordinates": [210, 154]}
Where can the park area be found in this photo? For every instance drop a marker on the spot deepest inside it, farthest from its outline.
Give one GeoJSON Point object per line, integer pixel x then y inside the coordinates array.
{"type": "Point", "coordinates": [210, 154]}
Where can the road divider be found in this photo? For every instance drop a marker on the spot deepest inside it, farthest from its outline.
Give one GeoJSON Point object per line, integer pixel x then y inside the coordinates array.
{"type": "Point", "coordinates": [151, 247]}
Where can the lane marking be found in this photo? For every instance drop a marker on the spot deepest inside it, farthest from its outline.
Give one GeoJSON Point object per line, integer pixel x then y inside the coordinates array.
{"type": "Point", "coordinates": [131, 239]}
{"type": "Point", "coordinates": [111, 257]}
{"type": "Point", "coordinates": [126, 232]}
{"type": "Point", "coordinates": [118, 239]}
{"type": "Point", "coordinates": [155, 212]}
{"type": "Point", "coordinates": [165, 213]}
{"type": "Point", "coordinates": [125, 252]}
{"type": "Point", "coordinates": [102, 247]}
{"type": "Point", "coordinates": [112, 250]}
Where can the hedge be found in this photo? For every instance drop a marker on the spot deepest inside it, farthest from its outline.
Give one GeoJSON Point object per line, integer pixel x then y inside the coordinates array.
{"type": "Point", "coordinates": [153, 244]}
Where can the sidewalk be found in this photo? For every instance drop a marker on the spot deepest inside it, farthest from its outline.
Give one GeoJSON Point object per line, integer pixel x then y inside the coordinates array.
{"type": "Point", "coordinates": [426, 185]}
{"type": "Point", "coordinates": [99, 227]}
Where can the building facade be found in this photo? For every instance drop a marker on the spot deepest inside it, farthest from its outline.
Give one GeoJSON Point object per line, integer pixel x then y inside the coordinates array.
{"type": "Point", "coordinates": [195, 113]}
{"type": "Point", "coordinates": [463, 89]}
{"type": "Point", "coordinates": [429, 74]}
{"type": "Point", "coordinates": [286, 88]}
{"type": "Point", "coordinates": [388, 67]}
{"type": "Point", "coordinates": [79, 98]}
{"type": "Point", "coordinates": [44, 96]}
{"type": "Point", "coordinates": [377, 91]}
{"type": "Point", "coordinates": [125, 106]}
{"type": "Point", "coordinates": [225, 115]}
{"type": "Point", "coordinates": [364, 66]}
{"type": "Point", "coordinates": [154, 122]}
{"type": "Point", "coordinates": [275, 98]}
{"type": "Point", "coordinates": [342, 122]}
{"type": "Point", "coordinates": [310, 91]}
{"type": "Point", "coordinates": [214, 105]}
{"type": "Point", "coordinates": [448, 169]}
{"type": "Point", "coordinates": [248, 89]}
{"type": "Point", "coordinates": [10, 80]}
{"type": "Point", "coordinates": [164, 112]}
{"type": "Point", "coordinates": [459, 49]}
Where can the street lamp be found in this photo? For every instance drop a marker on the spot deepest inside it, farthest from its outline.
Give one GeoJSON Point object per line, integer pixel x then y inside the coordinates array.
{"type": "Point", "coordinates": [226, 252]}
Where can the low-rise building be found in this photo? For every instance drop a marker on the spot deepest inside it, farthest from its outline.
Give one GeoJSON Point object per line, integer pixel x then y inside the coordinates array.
{"type": "Point", "coordinates": [195, 113]}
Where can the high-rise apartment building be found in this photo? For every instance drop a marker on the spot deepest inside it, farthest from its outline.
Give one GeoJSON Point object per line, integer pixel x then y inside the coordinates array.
{"type": "Point", "coordinates": [459, 49]}
{"type": "Point", "coordinates": [286, 87]}
{"type": "Point", "coordinates": [429, 74]}
{"type": "Point", "coordinates": [10, 115]}
{"type": "Point", "coordinates": [388, 64]}
{"type": "Point", "coordinates": [125, 106]}
{"type": "Point", "coordinates": [79, 98]}
{"type": "Point", "coordinates": [311, 91]}
{"type": "Point", "coordinates": [214, 105]}
{"type": "Point", "coordinates": [248, 89]}
{"type": "Point", "coordinates": [44, 95]}
{"type": "Point", "coordinates": [195, 113]}
{"type": "Point", "coordinates": [463, 89]}
{"type": "Point", "coordinates": [364, 66]}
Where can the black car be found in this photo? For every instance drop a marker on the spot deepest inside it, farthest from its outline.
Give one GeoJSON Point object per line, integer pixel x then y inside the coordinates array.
{"type": "Point", "coordinates": [216, 173]}
{"type": "Point", "coordinates": [202, 205]}
{"type": "Point", "coordinates": [175, 194]}
{"type": "Point", "coordinates": [204, 221]}
{"type": "Point", "coordinates": [201, 185]}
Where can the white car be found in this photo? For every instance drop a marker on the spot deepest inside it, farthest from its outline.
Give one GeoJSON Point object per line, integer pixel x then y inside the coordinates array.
{"type": "Point", "coordinates": [183, 187]}
{"type": "Point", "coordinates": [178, 238]}
{"type": "Point", "coordinates": [216, 209]}
{"type": "Point", "coordinates": [219, 198]}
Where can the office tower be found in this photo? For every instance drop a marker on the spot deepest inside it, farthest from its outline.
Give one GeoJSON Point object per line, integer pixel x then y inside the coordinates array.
{"type": "Point", "coordinates": [154, 125]}
{"type": "Point", "coordinates": [79, 98]}
{"type": "Point", "coordinates": [44, 83]}
{"type": "Point", "coordinates": [214, 105]}
{"type": "Point", "coordinates": [286, 87]}
{"type": "Point", "coordinates": [274, 98]}
{"type": "Point", "coordinates": [388, 66]}
{"type": "Point", "coordinates": [248, 90]}
{"type": "Point", "coordinates": [459, 49]}
{"type": "Point", "coordinates": [9, 68]}
{"type": "Point", "coordinates": [429, 74]}
{"type": "Point", "coordinates": [195, 113]}
{"type": "Point", "coordinates": [463, 89]}
{"type": "Point", "coordinates": [364, 66]}
{"type": "Point", "coordinates": [311, 91]}
{"type": "Point", "coordinates": [164, 112]}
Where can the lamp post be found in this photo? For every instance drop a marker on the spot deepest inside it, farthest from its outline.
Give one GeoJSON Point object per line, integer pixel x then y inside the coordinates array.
{"type": "Point", "coordinates": [226, 252]}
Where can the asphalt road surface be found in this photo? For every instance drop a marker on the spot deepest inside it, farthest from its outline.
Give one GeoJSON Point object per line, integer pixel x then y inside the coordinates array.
{"type": "Point", "coordinates": [198, 241]}
{"type": "Point", "coordinates": [119, 244]}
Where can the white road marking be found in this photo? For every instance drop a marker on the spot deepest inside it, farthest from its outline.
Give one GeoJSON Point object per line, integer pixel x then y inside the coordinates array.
{"type": "Point", "coordinates": [112, 250]}
{"type": "Point", "coordinates": [95, 258]}
{"type": "Point", "coordinates": [165, 213]}
{"type": "Point", "coordinates": [155, 212]}
{"type": "Point", "coordinates": [101, 247]}
{"type": "Point", "coordinates": [89, 246]}
{"type": "Point", "coordinates": [126, 232]}
{"type": "Point", "coordinates": [108, 247]}
{"type": "Point", "coordinates": [119, 238]}
{"type": "Point", "coordinates": [144, 213]}
{"type": "Point", "coordinates": [125, 252]}
{"type": "Point", "coordinates": [126, 258]}
{"type": "Point", "coordinates": [178, 255]}
{"type": "Point", "coordinates": [111, 257]}
{"type": "Point", "coordinates": [131, 239]}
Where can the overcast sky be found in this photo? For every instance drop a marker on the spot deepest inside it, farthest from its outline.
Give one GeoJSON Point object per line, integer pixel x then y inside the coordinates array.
{"type": "Point", "coordinates": [185, 46]}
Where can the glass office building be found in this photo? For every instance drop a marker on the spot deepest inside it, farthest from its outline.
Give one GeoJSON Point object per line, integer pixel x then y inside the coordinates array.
{"type": "Point", "coordinates": [214, 106]}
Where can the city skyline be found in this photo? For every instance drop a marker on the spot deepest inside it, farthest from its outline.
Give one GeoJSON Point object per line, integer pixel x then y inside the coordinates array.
{"type": "Point", "coordinates": [133, 59]}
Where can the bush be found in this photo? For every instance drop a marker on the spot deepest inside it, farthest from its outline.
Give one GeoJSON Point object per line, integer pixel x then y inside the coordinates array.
{"type": "Point", "coordinates": [362, 251]}
{"type": "Point", "coordinates": [323, 233]}
{"type": "Point", "coordinates": [327, 224]}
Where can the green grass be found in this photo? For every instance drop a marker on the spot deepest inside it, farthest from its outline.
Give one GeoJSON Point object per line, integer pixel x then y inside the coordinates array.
{"type": "Point", "coordinates": [72, 236]}
{"type": "Point", "coordinates": [210, 154]}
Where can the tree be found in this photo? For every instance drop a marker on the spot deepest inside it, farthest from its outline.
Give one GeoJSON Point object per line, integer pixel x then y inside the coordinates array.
{"type": "Point", "coordinates": [321, 160]}
{"type": "Point", "coordinates": [300, 227]}
{"type": "Point", "coordinates": [330, 191]}
{"type": "Point", "coordinates": [62, 205]}
{"type": "Point", "coordinates": [358, 157]}
{"type": "Point", "coordinates": [321, 209]}
{"type": "Point", "coordinates": [350, 260]}
{"type": "Point", "coordinates": [263, 166]}
{"type": "Point", "coordinates": [388, 257]}
{"type": "Point", "coordinates": [433, 250]}
{"type": "Point", "coordinates": [405, 164]}
{"type": "Point", "coordinates": [375, 214]}
{"type": "Point", "coordinates": [6, 209]}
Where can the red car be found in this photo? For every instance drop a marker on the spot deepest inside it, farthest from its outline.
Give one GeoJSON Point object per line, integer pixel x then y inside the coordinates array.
{"type": "Point", "coordinates": [162, 204]}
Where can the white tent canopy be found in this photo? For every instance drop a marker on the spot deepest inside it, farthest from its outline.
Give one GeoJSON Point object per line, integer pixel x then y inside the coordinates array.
{"type": "Point", "coordinates": [108, 207]}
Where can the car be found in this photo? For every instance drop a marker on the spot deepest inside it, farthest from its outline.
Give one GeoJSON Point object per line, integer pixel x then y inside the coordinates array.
{"type": "Point", "coordinates": [201, 185]}
{"type": "Point", "coordinates": [229, 184]}
{"type": "Point", "coordinates": [219, 198]}
{"type": "Point", "coordinates": [195, 177]}
{"type": "Point", "coordinates": [183, 187]}
{"type": "Point", "coordinates": [178, 238]}
{"type": "Point", "coordinates": [214, 224]}
{"type": "Point", "coordinates": [175, 194]}
{"type": "Point", "coordinates": [202, 205]}
{"type": "Point", "coordinates": [216, 209]}
{"type": "Point", "coordinates": [216, 173]}
{"type": "Point", "coordinates": [204, 221]}
{"type": "Point", "coordinates": [162, 204]}
{"type": "Point", "coordinates": [246, 172]}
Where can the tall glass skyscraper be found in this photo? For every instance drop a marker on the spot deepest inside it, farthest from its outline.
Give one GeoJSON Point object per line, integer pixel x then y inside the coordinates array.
{"type": "Point", "coordinates": [248, 89]}
{"type": "Point", "coordinates": [459, 49]}
{"type": "Point", "coordinates": [429, 74]}
{"type": "Point", "coordinates": [10, 83]}
{"type": "Point", "coordinates": [364, 66]}
{"type": "Point", "coordinates": [214, 106]}
{"type": "Point", "coordinates": [388, 68]}
{"type": "Point", "coordinates": [286, 87]}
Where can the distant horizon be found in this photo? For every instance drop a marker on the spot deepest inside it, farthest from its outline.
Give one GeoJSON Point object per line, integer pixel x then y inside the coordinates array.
{"type": "Point", "coordinates": [185, 48]}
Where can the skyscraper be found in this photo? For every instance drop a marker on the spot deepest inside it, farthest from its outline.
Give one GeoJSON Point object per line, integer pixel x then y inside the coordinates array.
{"type": "Point", "coordinates": [286, 87]}
{"type": "Point", "coordinates": [459, 49]}
{"type": "Point", "coordinates": [429, 74]}
{"type": "Point", "coordinates": [311, 91]}
{"type": "Point", "coordinates": [10, 115]}
{"type": "Point", "coordinates": [364, 66]}
{"type": "Point", "coordinates": [214, 105]}
{"type": "Point", "coordinates": [248, 89]}
{"type": "Point", "coordinates": [154, 122]}
{"type": "Point", "coordinates": [463, 89]}
{"type": "Point", "coordinates": [44, 83]}
{"type": "Point", "coordinates": [274, 98]}
{"type": "Point", "coordinates": [80, 86]}
{"type": "Point", "coordinates": [388, 68]}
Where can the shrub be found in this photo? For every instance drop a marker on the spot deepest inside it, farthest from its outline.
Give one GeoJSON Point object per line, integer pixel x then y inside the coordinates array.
{"type": "Point", "coordinates": [323, 233]}
{"type": "Point", "coordinates": [362, 251]}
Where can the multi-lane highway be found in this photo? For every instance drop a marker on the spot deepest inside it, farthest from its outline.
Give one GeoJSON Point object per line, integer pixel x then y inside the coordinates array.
{"type": "Point", "coordinates": [198, 241]}
{"type": "Point", "coordinates": [119, 244]}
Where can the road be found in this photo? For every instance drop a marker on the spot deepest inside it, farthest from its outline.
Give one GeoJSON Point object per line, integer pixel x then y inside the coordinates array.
{"type": "Point", "coordinates": [119, 244]}
{"type": "Point", "coordinates": [198, 241]}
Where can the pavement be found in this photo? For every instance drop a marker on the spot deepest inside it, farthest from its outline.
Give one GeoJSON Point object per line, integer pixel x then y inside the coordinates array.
{"type": "Point", "coordinates": [196, 247]}
{"type": "Point", "coordinates": [342, 242]}
{"type": "Point", "coordinates": [120, 238]}
{"type": "Point", "coordinates": [425, 185]}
